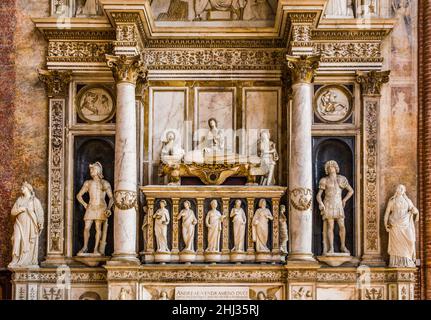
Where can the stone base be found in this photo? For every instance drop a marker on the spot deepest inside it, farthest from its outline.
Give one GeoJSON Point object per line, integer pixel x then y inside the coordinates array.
{"type": "Point", "coordinates": [212, 257]}
{"type": "Point", "coordinates": [335, 259]}
{"type": "Point", "coordinates": [162, 257]}
{"type": "Point", "coordinates": [91, 259]}
{"type": "Point", "coordinates": [263, 257]}
{"type": "Point", "coordinates": [187, 256]}
{"type": "Point", "coordinates": [238, 256]}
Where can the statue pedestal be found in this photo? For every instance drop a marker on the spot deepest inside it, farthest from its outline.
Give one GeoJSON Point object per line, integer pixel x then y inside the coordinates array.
{"type": "Point", "coordinates": [238, 256]}
{"type": "Point", "coordinates": [162, 257]}
{"type": "Point", "coordinates": [212, 256]}
{"type": "Point", "coordinates": [187, 256]}
{"type": "Point", "coordinates": [335, 259]}
{"type": "Point", "coordinates": [91, 259]}
{"type": "Point", "coordinates": [264, 257]}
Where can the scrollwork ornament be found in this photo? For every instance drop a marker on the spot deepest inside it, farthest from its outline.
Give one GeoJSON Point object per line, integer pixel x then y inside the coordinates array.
{"type": "Point", "coordinates": [372, 82]}
{"type": "Point", "coordinates": [125, 199]}
{"type": "Point", "coordinates": [55, 81]}
{"type": "Point", "coordinates": [301, 199]}
{"type": "Point", "coordinates": [303, 69]}
{"type": "Point", "coordinates": [126, 68]}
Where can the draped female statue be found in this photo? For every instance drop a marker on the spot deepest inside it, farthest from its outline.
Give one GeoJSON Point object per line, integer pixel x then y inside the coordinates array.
{"type": "Point", "coordinates": [239, 220]}
{"type": "Point", "coordinates": [213, 221]}
{"type": "Point", "coordinates": [161, 223]}
{"type": "Point", "coordinates": [188, 229]}
{"type": "Point", "coordinates": [260, 226]}
{"type": "Point", "coordinates": [29, 220]}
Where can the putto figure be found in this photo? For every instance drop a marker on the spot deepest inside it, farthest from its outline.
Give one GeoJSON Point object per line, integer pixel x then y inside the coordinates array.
{"type": "Point", "coordinates": [96, 209]}
{"type": "Point", "coordinates": [332, 206]}
{"type": "Point", "coordinates": [29, 219]}
{"type": "Point", "coordinates": [400, 218]}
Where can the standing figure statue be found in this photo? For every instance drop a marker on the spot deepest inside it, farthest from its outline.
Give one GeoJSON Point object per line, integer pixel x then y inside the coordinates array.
{"type": "Point", "coordinates": [213, 221]}
{"type": "Point", "coordinates": [29, 220]}
{"type": "Point", "coordinates": [400, 218]}
{"type": "Point", "coordinates": [332, 207]}
{"type": "Point", "coordinates": [284, 235]}
{"type": "Point", "coordinates": [268, 157]}
{"type": "Point", "coordinates": [260, 228]}
{"type": "Point", "coordinates": [96, 209]}
{"type": "Point", "coordinates": [189, 223]}
{"type": "Point", "coordinates": [161, 221]}
{"type": "Point", "coordinates": [239, 220]}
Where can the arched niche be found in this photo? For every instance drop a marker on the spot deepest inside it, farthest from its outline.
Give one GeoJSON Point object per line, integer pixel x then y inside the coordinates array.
{"type": "Point", "coordinates": [88, 150]}
{"type": "Point", "coordinates": [342, 150]}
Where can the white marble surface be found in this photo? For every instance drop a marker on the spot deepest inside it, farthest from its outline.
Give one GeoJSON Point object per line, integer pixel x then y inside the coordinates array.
{"type": "Point", "coordinates": [336, 293]}
{"type": "Point", "coordinates": [215, 104]}
{"type": "Point", "coordinates": [168, 114]}
{"type": "Point", "coordinates": [300, 173]}
{"type": "Point", "coordinates": [261, 108]}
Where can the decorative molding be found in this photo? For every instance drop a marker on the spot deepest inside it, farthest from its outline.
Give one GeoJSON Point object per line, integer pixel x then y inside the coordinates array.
{"type": "Point", "coordinates": [301, 33]}
{"type": "Point", "coordinates": [126, 68]}
{"type": "Point", "coordinates": [56, 82]}
{"type": "Point", "coordinates": [213, 43]}
{"type": "Point", "coordinates": [301, 198]}
{"type": "Point", "coordinates": [68, 34]}
{"type": "Point", "coordinates": [303, 68]}
{"type": "Point", "coordinates": [53, 277]}
{"type": "Point", "coordinates": [350, 51]}
{"type": "Point", "coordinates": [303, 17]}
{"type": "Point", "coordinates": [372, 82]}
{"type": "Point", "coordinates": [210, 59]}
{"type": "Point", "coordinates": [78, 51]}
{"type": "Point", "coordinates": [55, 234]}
{"type": "Point", "coordinates": [357, 35]}
{"type": "Point", "coordinates": [125, 199]}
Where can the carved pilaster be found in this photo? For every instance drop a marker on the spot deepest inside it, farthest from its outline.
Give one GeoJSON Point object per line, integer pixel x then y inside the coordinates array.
{"type": "Point", "coordinates": [250, 213]}
{"type": "Point", "coordinates": [150, 226]}
{"type": "Point", "coordinates": [175, 225]}
{"type": "Point", "coordinates": [371, 86]}
{"type": "Point", "coordinates": [126, 68]}
{"type": "Point", "coordinates": [303, 69]}
{"type": "Point", "coordinates": [56, 82]}
{"type": "Point", "coordinates": [225, 247]}
{"type": "Point", "coordinates": [275, 226]}
{"type": "Point", "coordinates": [200, 206]}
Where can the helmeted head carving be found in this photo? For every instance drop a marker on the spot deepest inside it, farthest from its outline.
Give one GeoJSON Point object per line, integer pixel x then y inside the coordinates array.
{"type": "Point", "coordinates": [96, 169]}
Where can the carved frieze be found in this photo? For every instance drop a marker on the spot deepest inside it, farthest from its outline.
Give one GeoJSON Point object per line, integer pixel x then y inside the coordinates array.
{"type": "Point", "coordinates": [78, 51]}
{"type": "Point", "coordinates": [349, 51]}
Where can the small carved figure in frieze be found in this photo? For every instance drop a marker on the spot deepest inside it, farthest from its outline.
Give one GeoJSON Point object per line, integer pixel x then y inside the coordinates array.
{"type": "Point", "coordinates": [161, 221]}
{"type": "Point", "coordinates": [171, 149]}
{"type": "Point", "coordinates": [332, 206]}
{"type": "Point", "coordinates": [284, 235]}
{"type": "Point", "coordinates": [400, 218]}
{"type": "Point", "coordinates": [29, 220]}
{"type": "Point", "coordinates": [239, 220]}
{"type": "Point", "coordinates": [96, 209]}
{"type": "Point", "coordinates": [213, 221]}
{"type": "Point", "coordinates": [260, 228]}
{"type": "Point", "coordinates": [188, 226]}
{"type": "Point", "coordinates": [268, 157]}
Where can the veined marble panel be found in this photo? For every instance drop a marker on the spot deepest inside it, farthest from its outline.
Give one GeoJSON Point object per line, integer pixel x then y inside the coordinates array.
{"type": "Point", "coordinates": [261, 108]}
{"type": "Point", "coordinates": [336, 293]}
{"type": "Point", "coordinates": [168, 107]}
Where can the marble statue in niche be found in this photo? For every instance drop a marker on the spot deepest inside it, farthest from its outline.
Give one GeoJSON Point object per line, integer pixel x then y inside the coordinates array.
{"type": "Point", "coordinates": [339, 9]}
{"type": "Point", "coordinates": [161, 221]}
{"type": "Point", "coordinates": [260, 228]}
{"type": "Point", "coordinates": [399, 220]}
{"type": "Point", "coordinates": [239, 221]}
{"type": "Point", "coordinates": [268, 156]}
{"type": "Point", "coordinates": [332, 206]}
{"type": "Point", "coordinates": [85, 8]}
{"type": "Point", "coordinates": [332, 104]}
{"type": "Point", "coordinates": [284, 234]}
{"type": "Point", "coordinates": [188, 228]}
{"type": "Point", "coordinates": [96, 209]}
{"type": "Point", "coordinates": [124, 294]}
{"type": "Point", "coordinates": [172, 152]}
{"type": "Point", "coordinates": [28, 224]}
{"type": "Point", "coordinates": [95, 105]}
{"type": "Point", "coordinates": [213, 222]}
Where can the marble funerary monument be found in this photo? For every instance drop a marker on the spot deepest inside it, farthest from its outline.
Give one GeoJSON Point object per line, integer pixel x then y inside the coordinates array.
{"type": "Point", "coordinates": [229, 149]}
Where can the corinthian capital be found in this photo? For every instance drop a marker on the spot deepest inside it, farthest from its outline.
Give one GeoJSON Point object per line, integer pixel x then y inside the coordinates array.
{"type": "Point", "coordinates": [55, 81]}
{"type": "Point", "coordinates": [126, 68]}
{"type": "Point", "coordinates": [371, 82]}
{"type": "Point", "coordinates": [303, 68]}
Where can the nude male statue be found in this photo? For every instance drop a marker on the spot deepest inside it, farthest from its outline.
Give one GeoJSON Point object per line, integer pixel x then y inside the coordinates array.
{"type": "Point", "coordinates": [96, 209]}
{"type": "Point", "coordinates": [332, 207]}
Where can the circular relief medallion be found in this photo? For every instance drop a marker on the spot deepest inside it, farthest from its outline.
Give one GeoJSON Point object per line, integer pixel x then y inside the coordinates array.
{"type": "Point", "coordinates": [333, 104]}
{"type": "Point", "coordinates": [95, 104]}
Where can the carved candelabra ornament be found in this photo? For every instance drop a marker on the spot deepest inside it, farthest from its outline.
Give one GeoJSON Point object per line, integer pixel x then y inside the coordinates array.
{"type": "Point", "coordinates": [28, 224]}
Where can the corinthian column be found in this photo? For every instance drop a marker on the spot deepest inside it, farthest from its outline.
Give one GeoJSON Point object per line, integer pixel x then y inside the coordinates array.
{"type": "Point", "coordinates": [126, 71]}
{"type": "Point", "coordinates": [303, 70]}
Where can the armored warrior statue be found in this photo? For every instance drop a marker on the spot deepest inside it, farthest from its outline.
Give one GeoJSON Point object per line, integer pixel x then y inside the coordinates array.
{"type": "Point", "coordinates": [96, 209]}
{"type": "Point", "coordinates": [332, 207]}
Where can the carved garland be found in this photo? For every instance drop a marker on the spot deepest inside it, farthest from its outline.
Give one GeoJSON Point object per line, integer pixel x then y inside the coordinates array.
{"type": "Point", "coordinates": [125, 199]}
{"type": "Point", "coordinates": [301, 199]}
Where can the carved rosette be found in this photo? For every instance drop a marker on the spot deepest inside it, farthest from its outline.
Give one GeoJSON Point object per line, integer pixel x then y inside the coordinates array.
{"type": "Point", "coordinates": [126, 68]}
{"type": "Point", "coordinates": [303, 69]}
{"type": "Point", "coordinates": [125, 199]}
{"type": "Point", "coordinates": [56, 82]}
{"type": "Point", "coordinates": [371, 82]}
{"type": "Point", "coordinates": [301, 199]}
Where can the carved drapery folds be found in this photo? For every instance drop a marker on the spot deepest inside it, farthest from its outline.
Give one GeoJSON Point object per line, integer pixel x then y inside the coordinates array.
{"type": "Point", "coordinates": [126, 68]}
{"type": "Point", "coordinates": [371, 86]}
{"type": "Point", "coordinates": [56, 82]}
{"type": "Point", "coordinates": [303, 69]}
